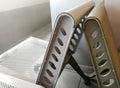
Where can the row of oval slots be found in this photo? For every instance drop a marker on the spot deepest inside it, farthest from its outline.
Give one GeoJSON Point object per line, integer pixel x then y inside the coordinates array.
{"type": "Point", "coordinates": [76, 37]}
{"type": "Point", "coordinates": [60, 42]}
{"type": "Point", "coordinates": [102, 59]}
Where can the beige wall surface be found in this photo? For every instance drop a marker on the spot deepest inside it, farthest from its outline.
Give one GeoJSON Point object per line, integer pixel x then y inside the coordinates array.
{"type": "Point", "coordinates": [13, 4]}
{"type": "Point", "coordinates": [21, 20]}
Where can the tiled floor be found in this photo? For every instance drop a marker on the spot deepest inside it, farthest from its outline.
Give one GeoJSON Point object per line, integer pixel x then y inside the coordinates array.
{"type": "Point", "coordinates": [26, 57]}
{"type": "Point", "coordinates": [68, 79]}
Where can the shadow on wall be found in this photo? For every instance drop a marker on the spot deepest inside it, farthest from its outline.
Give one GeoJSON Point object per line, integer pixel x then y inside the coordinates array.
{"type": "Point", "coordinates": [18, 23]}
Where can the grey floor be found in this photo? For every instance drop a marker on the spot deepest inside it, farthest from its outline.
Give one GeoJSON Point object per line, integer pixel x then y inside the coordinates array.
{"type": "Point", "coordinates": [68, 79]}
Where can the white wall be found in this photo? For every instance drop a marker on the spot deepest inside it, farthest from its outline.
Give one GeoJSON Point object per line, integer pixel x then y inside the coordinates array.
{"type": "Point", "coordinates": [19, 21]}
{"type": "Point", "coordinates": [13, 4]}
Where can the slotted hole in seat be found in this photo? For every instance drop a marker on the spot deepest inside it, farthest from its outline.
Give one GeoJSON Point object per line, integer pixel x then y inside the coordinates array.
{"type": "Point", "coordinates": [108, 82]}
{"type": "Point", "coordinates": [105, 72]}
{"type": "Point", "coordinates": [76, 36]}
{"type": "Point", "coordinates": [100, 54]}
{"type": "Point", "coordinates": [97, 45]}
{"type": "Point", "coordinates": [79, 31]}
{"type": "Point", "coordinates": [57, 50]}
{"type": "Point", "coordinates": [49, 73]}
{"type": "Point", "coordinates": [52, 65]}
{"type": "Point", "coordinates": [55, 57]}
{"type": "Point", "coordinates": [63, 31]}
{"type": "Point", "coordinates": [46, 80]}
{"type": "Point", "coordinates": [71, 47]}
{"type": "Point", "coordinates": [82, 20]}
{"type": "Point", "coordinates": [102, 62]}
{"type": "Point", "coordinates": [60, 41]}
{"type": "Point", "coordinates": [73, 42]}
{"type": "Point", "coordinates": [94, 34]}
{"type": "Point", "coordinates": [80, 24]}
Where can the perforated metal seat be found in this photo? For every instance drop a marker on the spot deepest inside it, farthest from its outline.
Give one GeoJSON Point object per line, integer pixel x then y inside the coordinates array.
{"type": "Point", "coordinates": [104, 53]}
{"type": "Point", "coordinates": [64, 41]}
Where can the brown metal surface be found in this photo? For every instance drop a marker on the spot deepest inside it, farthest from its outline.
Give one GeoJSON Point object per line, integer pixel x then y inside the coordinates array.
{"type": "Point", "coordinates": [63, 43]}
{"type": "Point", "coordinates": [113, 12]}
